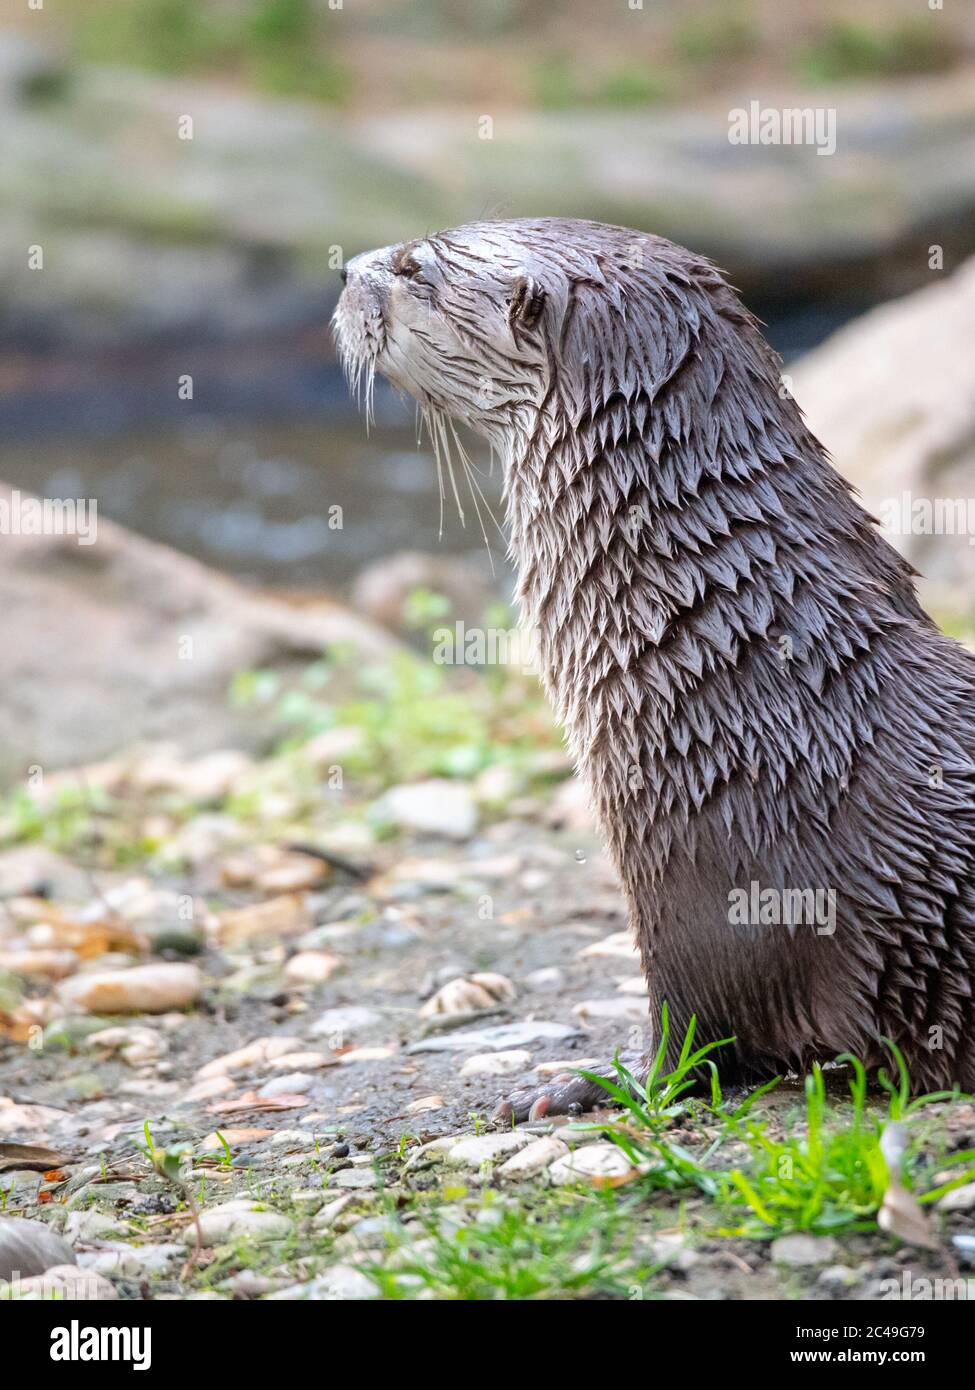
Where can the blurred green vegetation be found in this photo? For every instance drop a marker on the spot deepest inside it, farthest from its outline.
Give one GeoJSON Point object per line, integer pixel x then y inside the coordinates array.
{"type": "Point", "coordinates": [276, 45]}
{"type": "Point", "coordinates": [555, 54]}
{"type": "Point", "coordinates": [851, 49]}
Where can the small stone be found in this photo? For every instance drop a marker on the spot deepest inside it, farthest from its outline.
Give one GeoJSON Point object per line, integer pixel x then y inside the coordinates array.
{"type": "Point", "coordinates": [136, 1046]}
{"type": "Point", "coordinates": [300, 1061]}
{"type": "Point", "coordinates": [469, 994]}
{"type": "Point", "coordinates": [340, 1024]}
{"type": "Point", "coordinates": [424, 1104]}
{"type": "Point", "coordinates": [958, 1199]}
{"type": "Point", "coordinates": [800, 1250]}
{"type": "Point", "coordinates": [341, 1283]}
{"type": "Point", "coordinates": [486, 1148]}
{"type": "Point", "coordinates": [354, 1178]}
{"type": "Point", "coordinates": [149, 989]}
{"type": "Point", "coordinates": [534, 1158]}
{"type": "Point", "coordinates": [238, 1220]}
{"type": "Point", "coordinates": [294, 1083]}
{"type": "Point", "coordinates": [311, 967]}
{"type": "Point", "coordinates": [619, 945]}
{"type": "Point", "coordinates": [572, 1064]}
{"type": "Point", "coordinates": [366, 1054]}
{"type": "Point", "coordinates": [503, 1036]}
{"type": "Point", "coordinates": [636, 985]}
{"type": "Point", "coordinates": [545, 981]}
{"type": "Point", "coordinates": [42, 965]}
{"type": "Point", "coordinates": [496, 1063]}
{"type": "Point", "coordinates": [596, 1163]}
{"type": "Point", "coordinates": [838, 1277]}
{"type": "Point", "coordinates": [623, 1007]}
{"type": "Point", "coordinates": [436, 807]}
{"type": "Point", "coordinates": [86, 1226]}
{"type": "Point", "coordinates": [285, 915]}
{"type": "Point", "coordinates": [215, 1142]}
{"type": "Point", "coordinates": [29, 1247]}
{"type": "Point", "coordinates": [254, 1054]}
{"type": "Point", "coordinates": [670, 1248]}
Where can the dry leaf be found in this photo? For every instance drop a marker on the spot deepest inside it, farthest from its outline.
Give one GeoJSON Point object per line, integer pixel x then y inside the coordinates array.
{"type": "Point", "coordinates": [901, 1215]}
{"type": "Point", "coordinates": [250, 1100]}
{"type": "Point", "coordinates": [281, 916]}
{"type": "Point", "coordinates": [33, 1158]}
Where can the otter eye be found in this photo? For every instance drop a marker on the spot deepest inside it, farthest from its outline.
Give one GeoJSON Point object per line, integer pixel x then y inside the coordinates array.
{"type": "Point", "coordinates": [406, 265]}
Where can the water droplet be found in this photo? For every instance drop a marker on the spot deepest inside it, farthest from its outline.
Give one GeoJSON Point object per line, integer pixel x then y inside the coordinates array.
{"type": "Point", "coordinates": [580, 857]}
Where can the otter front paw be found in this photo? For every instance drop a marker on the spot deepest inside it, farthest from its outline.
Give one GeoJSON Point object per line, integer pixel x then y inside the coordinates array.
{"type": "Point", "coordinates": [565, 1094]}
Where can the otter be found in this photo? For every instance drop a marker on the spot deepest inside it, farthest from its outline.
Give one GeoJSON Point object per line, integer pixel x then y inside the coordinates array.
{"type": "Point", "coordinates": [760, 706]}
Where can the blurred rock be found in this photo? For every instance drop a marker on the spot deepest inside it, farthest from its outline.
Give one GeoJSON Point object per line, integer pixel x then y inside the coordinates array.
{"type": "Point", "coordinates": [125, 641]}
{"type": "Point", "coordinates": [151, 989]}
{"type": "Point", "coordinates": [29, 1247]}
{"type": "Point", "coordinates": [436, 807]}
{"type": "Point", "coordinates": [892, 397]}
{"type": "Point", "coordinates": [381, 590]}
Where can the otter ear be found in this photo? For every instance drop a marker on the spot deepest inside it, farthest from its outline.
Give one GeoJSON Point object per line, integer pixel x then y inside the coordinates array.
{"type": "Point", "coordinates": [525, 303]}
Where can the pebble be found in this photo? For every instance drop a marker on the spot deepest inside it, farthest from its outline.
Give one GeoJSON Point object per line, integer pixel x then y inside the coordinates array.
{"type": "Point", "coordinates": [571, 1064]}
{"type": "Point", "coordinates": [254, 1054]}
{"type": "Point", "coordinates": [504, 1036]}
{"type": "Point", "coordinates": [436, 807]}
{"type": "Point", "coordinates": [340, 1283]}
{"type": "Point", "coordinates": [131, 1261]}
{"type": "Point", "coordinates": [341, 1023]}
{"type": "Point", "coordinates": [82, 1227]}
{"type": "Point", "coordinates": [284, 915]}
{"type": "Point", "coordinates": [496, 1063]}
{"type": "Point", "coordinates": [469, 994]}
{"type": "Point", "coordinates": [545, 981]}
{"type": "Point", "coordinates": [623, 1007]}
{"type": "Point", "coordinates": [294, 1083]}
{"type": "Point", "coordinates": [311, 967]}
{"type": "Point", "coordinates": [366, 1054]}
{"type": "Point", "coordinates": [45, 965]}
{"type": "Point", "coordinates": [486, 1148]}
{"type": "Point", "coordinates": [958, 1199]}
{"type": "Point", "coordinates": [620, 945]}
{"type": "Point", "coordinates": [136, 1046]}
{"type": "Point", "coordinates": [592, 1163]}
{"type": "Point", "coordinates": [237, 1220]}
{"type": "Point", "coordinates": [424, 1104]}
{"type": "Point", "coordinates": [149, 989]}
{"type": "Point", "coordinates": [214, 1143]}
{"type": "Point", "coordinates": [534, 1158]}
{"type": "Point", "coordinates": [354, 1178]}
{"type": "Point", "coordinates": [800, 1250]}
{"type": "Point", "coordinates": [296, 1061]}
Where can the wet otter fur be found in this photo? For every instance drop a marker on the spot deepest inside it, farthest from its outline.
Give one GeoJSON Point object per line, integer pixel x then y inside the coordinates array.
{"type": "Point", "coordinates": [747, 681]}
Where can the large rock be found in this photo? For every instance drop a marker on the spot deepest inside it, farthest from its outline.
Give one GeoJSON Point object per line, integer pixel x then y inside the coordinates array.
{"type": "Point", "coordinates": [126, 640]}
{"type": "Point", "coordinates": [892, 397]}
{"type": "Point", "coordinates": [29, 1247]}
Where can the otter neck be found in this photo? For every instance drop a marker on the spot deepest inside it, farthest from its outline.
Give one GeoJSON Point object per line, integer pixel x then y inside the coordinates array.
{"type": "Point", "coordinates": [694, 585]}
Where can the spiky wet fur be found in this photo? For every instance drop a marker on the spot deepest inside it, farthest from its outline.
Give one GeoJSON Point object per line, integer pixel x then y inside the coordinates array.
{"type": "Point", "coordinates": [748, 683]}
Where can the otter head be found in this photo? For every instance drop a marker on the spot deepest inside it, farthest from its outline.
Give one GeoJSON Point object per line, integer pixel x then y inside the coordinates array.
{"type": "Point", "coordinates": [458, 320]}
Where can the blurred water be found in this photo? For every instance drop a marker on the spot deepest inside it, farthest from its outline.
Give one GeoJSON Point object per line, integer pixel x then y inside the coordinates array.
{"type": "Point", "coordinates": [245, 475]}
